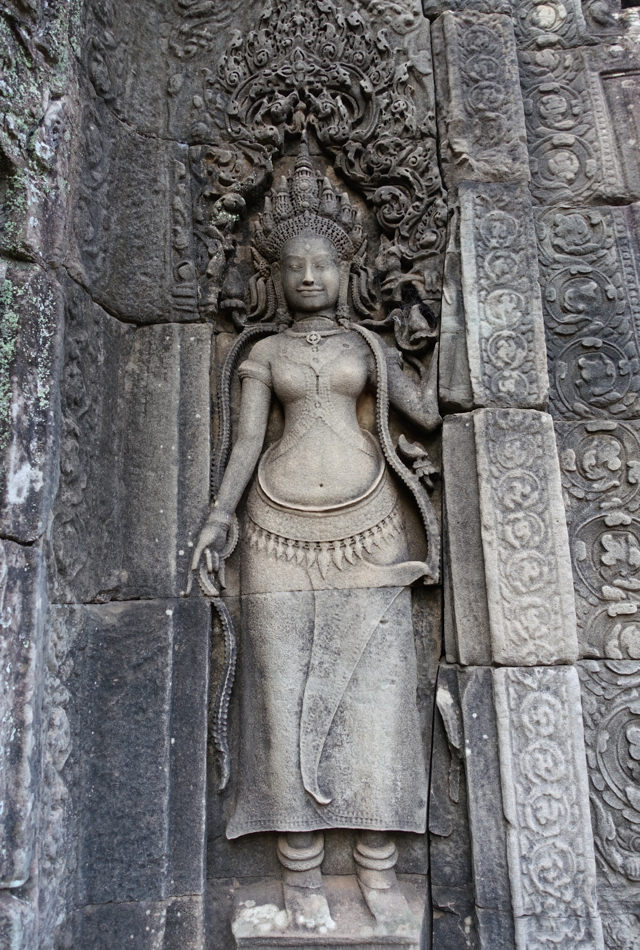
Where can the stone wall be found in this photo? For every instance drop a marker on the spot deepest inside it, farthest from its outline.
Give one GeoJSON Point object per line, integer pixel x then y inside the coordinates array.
{"type": "Point", "coordinates": [128, 178]}
{"type": "Point", "coordinates": [539, 146]}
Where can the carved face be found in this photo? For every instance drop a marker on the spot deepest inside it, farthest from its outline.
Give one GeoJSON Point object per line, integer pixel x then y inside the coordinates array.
{"type": "Point", "coordinates": [310, 274]}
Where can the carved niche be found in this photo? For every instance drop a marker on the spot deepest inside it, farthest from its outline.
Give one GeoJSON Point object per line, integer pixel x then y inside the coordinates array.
{"type": "Point", "coordinates": [341, 73]}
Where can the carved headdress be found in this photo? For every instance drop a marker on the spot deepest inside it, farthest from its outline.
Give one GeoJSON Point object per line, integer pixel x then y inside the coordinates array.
{"type": "Point", "coordinates": [306, 203]}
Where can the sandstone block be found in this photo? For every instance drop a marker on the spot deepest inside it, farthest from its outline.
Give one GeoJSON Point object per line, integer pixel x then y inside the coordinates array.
{"type": "Point", "coordinates": [454, 381]}
{"type": "Point", "coordinates": [514, 605]}
{"type": "Point", "coordinates": [598, 462]}
{"type": "Point", "coordinates": [502, 306]}
{"type": "Point", "coordinates": [579, 124]}
{"type": "Point", "coordinates": [481, 120]}
{"type": "Point", "coordinates": [176, 924]}
{"type": "Point", "coordinates": [17, 923]}
{"type": "Point", "coordinates": [611, 733]}
{"type": "Point", "coordinates": [32, 316]}
{"type": "Point", "coordinates": [134, 485]}
{"type": "Point", "coordinates": [139, 725]}
{"type": "Point", "coordinates": [470, 879]}
{"type": "Point", "coordinates": [591, 296]}
{"type": "Point", "coordinates": [22, 604]}
{"type": "Point", "coordinates": [467, 637]}
{"type": "Point", "coordinates": [486, 816]}
{"type": "Point", "coordinates": [131, 240]}
{"type": "Point", "coordinates": [524, 539]}
{"type": "Point", "coordinates": [545, 794]}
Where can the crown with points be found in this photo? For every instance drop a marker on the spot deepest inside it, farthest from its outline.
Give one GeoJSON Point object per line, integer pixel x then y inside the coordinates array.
{"type": "Point", "coordinates": [303, 203]}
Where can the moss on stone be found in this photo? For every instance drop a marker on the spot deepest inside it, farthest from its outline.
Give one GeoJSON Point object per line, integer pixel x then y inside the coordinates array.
{"type": "Point", "coordinates": [9, 320]}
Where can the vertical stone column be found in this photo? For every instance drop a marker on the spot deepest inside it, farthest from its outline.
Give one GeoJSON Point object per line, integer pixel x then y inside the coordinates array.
{"type": "Point", "coordinates": [509, 693]}
{"type": "Point", "coordinates": [585, 187]}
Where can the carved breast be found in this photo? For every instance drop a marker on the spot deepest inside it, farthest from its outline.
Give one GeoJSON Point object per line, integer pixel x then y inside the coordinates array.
{"type": "Point", "coordinates": [324, 459]}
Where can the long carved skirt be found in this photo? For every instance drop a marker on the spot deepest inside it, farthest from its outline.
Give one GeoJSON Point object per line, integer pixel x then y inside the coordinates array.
{"type": "Point", "coordinates": [330, 734]}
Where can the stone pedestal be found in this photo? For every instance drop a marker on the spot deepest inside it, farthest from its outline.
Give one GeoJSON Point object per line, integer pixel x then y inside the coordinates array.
{"type": "Point", "coordinates": [260, 919]}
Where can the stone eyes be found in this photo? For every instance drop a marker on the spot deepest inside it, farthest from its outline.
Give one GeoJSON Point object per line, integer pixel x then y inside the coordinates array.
{"type": "Point", "coordinates": [319, 263]}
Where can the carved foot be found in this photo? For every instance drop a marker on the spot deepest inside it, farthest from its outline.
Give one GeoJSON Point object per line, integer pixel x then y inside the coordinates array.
{"type": "Point", "coordinates": [376, 855]}
{"type": "Point", "coordinates": [301, 855]}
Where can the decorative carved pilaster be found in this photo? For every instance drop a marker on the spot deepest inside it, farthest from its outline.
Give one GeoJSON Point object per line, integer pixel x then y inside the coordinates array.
{"type": "Point", "coordinates": [503, 311]}
{"type": "Point", "coordinates": [524, 539]}
{"type": "Point", "coordinates": [480, 115]}
{"type": "Point", "coordinates": [545, 798]}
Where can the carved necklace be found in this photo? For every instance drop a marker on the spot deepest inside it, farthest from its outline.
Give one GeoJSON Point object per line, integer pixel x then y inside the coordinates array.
{"type": "Point", "coordinates": [315, 336]}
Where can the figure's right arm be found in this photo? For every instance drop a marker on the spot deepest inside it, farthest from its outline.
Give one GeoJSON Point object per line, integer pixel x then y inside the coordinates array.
{"type": "Point", "coordinates": [252, 426]}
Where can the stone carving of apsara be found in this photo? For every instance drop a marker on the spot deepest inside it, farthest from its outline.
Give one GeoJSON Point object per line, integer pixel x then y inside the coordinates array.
{"type": "Point", "coordinates": [330, 736]}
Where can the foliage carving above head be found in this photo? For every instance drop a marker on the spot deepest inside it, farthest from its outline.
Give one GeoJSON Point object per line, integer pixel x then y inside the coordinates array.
{"type": "Point", "coordinates": [364, 93]}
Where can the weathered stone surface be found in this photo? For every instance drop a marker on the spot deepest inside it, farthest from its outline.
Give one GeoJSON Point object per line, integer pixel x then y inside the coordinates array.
{"type": "Point", "coordinates": [507, 563]}
{"type": "Point", "coordinates": [151, 925]}
{"type": "Point", "coordinates": [557, 25]}
{"type": "Point", "coordinates": [502, 306]}
{"type": "Point", "coordinates": [57, 859]}
{"type": "Point", "coordinates": [135, 455]}
{"type": "Point", "coordinates": [591, 294]}
{"type": "Point", "coordinates": [450, 841]}
{"type": "Point", "coordinates": [32, 316]}
{"type": "Point", "coordinates": [467, 631]}
{"type": "Point", "coordinates": [454, 381]}
{"type": "Point", "coordinates": [222, 79]}
{"type": "Point", "coordinates": [524, 538]}
{"type": "Point", "coordinates": [471, 887]}
{"type": "Point", "coordinates": [131, 241]}
{"type": "Point", "coordinates": [260, 919]}
{"type": "Point", "coordinates": [22, 603]}
{"type": "Point", "coordinates": [448, 813]}
{"type": "Point", "coordinates": [621, 87]}
{"type": "Point", "coordinates": [480, 116]}
{"type": "Point", "coordinates": [574, 146]}
{"type": "Point", "coordinates": [545, 794]}
{"type": "Point", "coordinates": [611, 713]}
{"type": "Point", "coordinates": [166, 47]}
{"type": "Point", "coordinates": [486, 814]}
{"type": "Point", "coordinates": [17, 923]}
{"type": "Point", "coordinates": [38, 96]}
{"type": "Point", "coordinates": [139, 717]}
{"type": "Point", "coordinates": [554, 24]}
{"type": "Point", "coordinates": [620, 930]}
{"type": "Point", "coordinates": [599, 462]}
{"type": "Point", "coordinates": [434, 8]}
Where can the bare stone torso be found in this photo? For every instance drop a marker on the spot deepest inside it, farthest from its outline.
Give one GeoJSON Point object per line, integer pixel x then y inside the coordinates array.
{"type": "Point", "coordinates": [324, 458]}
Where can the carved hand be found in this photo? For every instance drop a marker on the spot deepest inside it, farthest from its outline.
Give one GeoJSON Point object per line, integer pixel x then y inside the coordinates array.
{"type": "Point", "coordinates": [419, 402]}
{"type": "Point", "coordinates": [213, 536]}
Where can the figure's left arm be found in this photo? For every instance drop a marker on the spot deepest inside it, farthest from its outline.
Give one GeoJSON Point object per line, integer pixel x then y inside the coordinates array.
{"type": "Point", "coordinates": [417, 401]}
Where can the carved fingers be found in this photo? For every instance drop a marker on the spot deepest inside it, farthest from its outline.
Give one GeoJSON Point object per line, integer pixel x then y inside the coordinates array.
{"type": "Point", "coordinates": [211, 541]}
